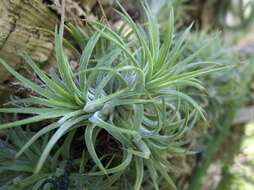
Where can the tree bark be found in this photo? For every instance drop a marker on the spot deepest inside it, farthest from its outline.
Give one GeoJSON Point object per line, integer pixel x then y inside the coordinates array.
{"type": "Point", "coordinates": [21, 29]}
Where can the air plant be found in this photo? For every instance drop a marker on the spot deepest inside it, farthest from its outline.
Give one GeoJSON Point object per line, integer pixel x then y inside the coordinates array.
{"type": "Point", "coordinates": [128, 87]}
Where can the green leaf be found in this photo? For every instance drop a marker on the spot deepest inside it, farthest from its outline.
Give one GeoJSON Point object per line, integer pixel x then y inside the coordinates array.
{"type": "Point", "coordinates": [64, 67]}
{"type": "Point", "coordinates": [164, 50]}
{"type": "Point", "coordinates": [140, 38]}
{"type": "Point", "coordinates": [41, 117]}
{"type": "Point", "coordinates": [96, 120]}
{"type": "Point", "coordinates": [139, 173]}
{"type": "Point", "coordinates": [153, 29]}
{"type": "Point", "coordinates": [91, 149]}
{"type": "Point", "coordinates": [51, 84]}
{"type": "Point", "coordinates": [29, 110]}
{"type": "Point", "coordinates": [121, 167]}
{"type": "Point", "coordinates": [43, 131]}
{"type": "Point", "coordinates": [165, 175]}
{"type": "Point", "coordinates": [185, 97]}
{"type": "Point", "coordinates": [85, 58]}
{"type": "Point", "coordinates": [152, 172]}
{"type": "Point", "coordinates": [53, 140]}
{"type": "Point", "coordinates": [27, 83]}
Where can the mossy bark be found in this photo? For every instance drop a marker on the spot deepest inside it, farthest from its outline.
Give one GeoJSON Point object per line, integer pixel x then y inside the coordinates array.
{"type": "Point", "coordinates": [22, 28]}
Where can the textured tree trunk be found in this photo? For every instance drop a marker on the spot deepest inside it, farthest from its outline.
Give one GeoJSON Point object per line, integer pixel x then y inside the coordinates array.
{"type": "Point", "coordinates": [24, 25]}
{"type": "Point", "coordinates": [21, 29]}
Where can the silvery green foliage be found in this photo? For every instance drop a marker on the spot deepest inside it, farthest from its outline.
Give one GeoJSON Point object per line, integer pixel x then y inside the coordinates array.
{"type": "Point", "coordinates": [223, 87]}
{"type": "Point", "coordinates": [129, 86]}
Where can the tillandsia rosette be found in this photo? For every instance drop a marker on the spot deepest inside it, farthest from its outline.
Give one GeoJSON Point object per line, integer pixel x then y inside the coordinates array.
{"type": "Point", "coordinates": [125, 105]}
